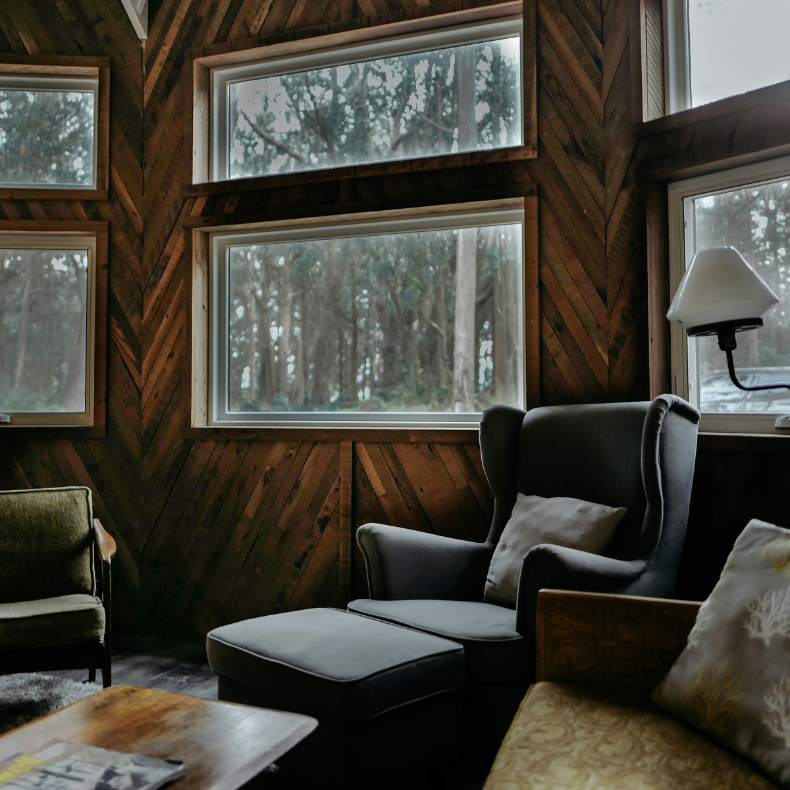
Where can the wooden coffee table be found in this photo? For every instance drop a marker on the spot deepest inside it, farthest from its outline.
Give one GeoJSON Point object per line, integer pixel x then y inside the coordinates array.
{"type": "Point", "coordinates": [222, 745]}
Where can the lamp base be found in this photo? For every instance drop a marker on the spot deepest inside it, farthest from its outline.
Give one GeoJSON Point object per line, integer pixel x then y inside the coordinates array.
{"type": "Point", "coordinates": [724, 327]}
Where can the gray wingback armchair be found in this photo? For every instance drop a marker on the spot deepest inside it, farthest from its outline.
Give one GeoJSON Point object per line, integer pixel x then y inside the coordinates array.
{"type": "Point", "coordinates": [637, 455]}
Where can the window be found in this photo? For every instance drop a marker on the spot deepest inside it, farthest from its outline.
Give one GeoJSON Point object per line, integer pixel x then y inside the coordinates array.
{"type": "Point", "coordinates": [48, 131]}
{"type": "Point", "coordinates": [749, 209]}
{"type": "Point", "coordinates": [720, 48]}
{"type": "Point", "coordinates": [441, 92]}
{"type": "Point", "coordinates": [47, 320]}
{"type": "Point", "coordinates": [387, 319]}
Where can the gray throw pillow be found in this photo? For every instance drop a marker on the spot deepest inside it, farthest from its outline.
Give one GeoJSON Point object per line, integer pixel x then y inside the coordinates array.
{"type": "Point", "coordinates": [733, 678]}
{"type": "Point", "coordinates": [560, 520]}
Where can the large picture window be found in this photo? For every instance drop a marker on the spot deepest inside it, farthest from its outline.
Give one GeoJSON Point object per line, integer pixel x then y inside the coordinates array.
{"type": "Point", "coordinates": [389, 319]}
{"type": "Point", "coordinates": [47, 322]}
{"type": "Point", "coordinates": [749, 209]}
{"type": "Point", "coordinates": [720, 48]}
{"type": "Point", "coordinates": [448, 91]}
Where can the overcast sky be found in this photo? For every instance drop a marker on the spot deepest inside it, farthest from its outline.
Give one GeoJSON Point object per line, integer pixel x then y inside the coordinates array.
{"type": "Point", "coordinates": [737, 45]}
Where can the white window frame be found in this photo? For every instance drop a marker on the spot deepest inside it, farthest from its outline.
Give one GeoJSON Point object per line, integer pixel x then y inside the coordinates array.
{"type": "Point", "coordinates": [222, 77]}
{"type": "Point", "coordinates": [57, 84]}
{"type": "Point", "coordinates": [681, 243]}
{"type": "Point", "coordinates": [56, 241]}
{"type": "Point", "coordinates": [434, 218]}
{"type": "Point", "coordinates": [677, 71]}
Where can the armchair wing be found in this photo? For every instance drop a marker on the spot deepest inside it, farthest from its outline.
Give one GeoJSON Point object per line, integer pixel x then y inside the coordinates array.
{"type": "Point", "coordinates": [406, 564]}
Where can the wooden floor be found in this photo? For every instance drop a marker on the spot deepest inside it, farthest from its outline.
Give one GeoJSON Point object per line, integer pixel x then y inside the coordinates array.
{"type": "Point", "coordinates": [165, 664]}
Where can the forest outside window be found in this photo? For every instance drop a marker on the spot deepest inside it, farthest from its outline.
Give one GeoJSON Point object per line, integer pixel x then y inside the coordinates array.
{"type": "Point", "coordinates": [720, 48]}
{"type": "Point", "coordinates": [749, 209]}
{"type": "Point", "coordinates": [47, 318]}
{"type": "Point", "coordinates": [443, 92]}
{"type": "Point", "coordinates": [390, 320]}
{"type": "Point", "coordinates": [48, 131]}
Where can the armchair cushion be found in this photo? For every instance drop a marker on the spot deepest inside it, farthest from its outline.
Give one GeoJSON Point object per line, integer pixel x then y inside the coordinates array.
{"type": "Point", "coordinates": [495, 651]}
{"type": "Point", "coordinates": [46, 540]}
{"type": "Point", "coordinates": [51, 621]}
{"type": "Point", "coordinates": [561, 521]}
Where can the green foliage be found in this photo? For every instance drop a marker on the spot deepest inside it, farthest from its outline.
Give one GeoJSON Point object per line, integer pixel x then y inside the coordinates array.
{"type": "Point", "coordinates": [43, 297]}
{"type": "Point", "coordinates": [395, 108]}
{"type": "Point", "coordinates": [46, 137]}
{"type": "Point", "coordinates": [367, 323]}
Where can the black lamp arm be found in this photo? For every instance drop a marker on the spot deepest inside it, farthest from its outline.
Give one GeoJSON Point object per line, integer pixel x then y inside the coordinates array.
{"type": "Point", "coordinates": [734, 379]}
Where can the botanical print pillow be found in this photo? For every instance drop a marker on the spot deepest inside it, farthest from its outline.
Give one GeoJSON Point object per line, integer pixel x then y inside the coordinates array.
{"type": "Point", "coordinates": [733, 678]}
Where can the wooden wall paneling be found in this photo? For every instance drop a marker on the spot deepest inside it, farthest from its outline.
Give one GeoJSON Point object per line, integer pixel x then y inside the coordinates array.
{"type": "Point", "coordinates": [658, 287]}
{"type": "Point", "coordinates": [217, 526]}
{"type": "Point", "coordinates": [626, 276]}
{"type": "Point", "coordinates": [99, 35]}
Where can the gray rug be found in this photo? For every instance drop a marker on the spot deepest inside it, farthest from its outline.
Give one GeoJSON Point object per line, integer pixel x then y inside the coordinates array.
{"type": "Point", "coordinates": [26, 697]}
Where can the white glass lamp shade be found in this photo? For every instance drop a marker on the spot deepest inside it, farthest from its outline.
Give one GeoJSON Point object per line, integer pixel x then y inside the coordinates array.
{"type": "Point", "coordinates": [720, 286]}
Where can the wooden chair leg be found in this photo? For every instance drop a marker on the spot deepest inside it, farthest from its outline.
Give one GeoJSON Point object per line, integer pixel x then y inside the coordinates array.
{"type": "Point", "coordinates": [92, 675]}
{"type": "Point", "coordinates": [106, 667]}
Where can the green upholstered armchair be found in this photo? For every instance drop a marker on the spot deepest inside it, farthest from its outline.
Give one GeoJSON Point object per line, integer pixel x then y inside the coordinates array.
{"type": "Point", "coordinates": [55, 604]}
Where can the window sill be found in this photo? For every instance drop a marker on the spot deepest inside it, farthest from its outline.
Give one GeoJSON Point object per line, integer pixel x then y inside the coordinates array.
{"type": "Point", "coordinates": [744, 442]}
{"type": "Point", "coordinates": [771, 94]}
{"type": "Point", "coordinates": [12, 432]}
{"type": "Point", "coordinates": [36, 193]}
{"type": "Point", "coordinates": [454, 435]}
{"type": "Point", "coordinates": [376, 169]}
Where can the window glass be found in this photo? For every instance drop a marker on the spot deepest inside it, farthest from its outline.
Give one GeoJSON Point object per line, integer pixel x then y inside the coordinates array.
{"type": "Point", "coordinates": [736, 46]}
{"type": "Point", "coordinates": [756, 221]}
{"type": "Point", "coordinates": [402, 322]}
{"type": "Point", "coordinates": [43, 325]}
{"type": "Point", "coordinates": [47, 136]}
{"type": "Point", "coordinates": [441, 101]}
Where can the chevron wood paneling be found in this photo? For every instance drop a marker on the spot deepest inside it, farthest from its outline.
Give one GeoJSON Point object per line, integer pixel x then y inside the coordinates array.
{"type": "Point", "coordinates": [217, 529]}
{"type": "Point", "coordinates": [109, 466]}
{"type": "Point", "coordinates": [439, 488]}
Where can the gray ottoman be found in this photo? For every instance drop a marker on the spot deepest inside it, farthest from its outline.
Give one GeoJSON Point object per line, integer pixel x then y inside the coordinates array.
{"type": "Point", "coordinates": [388, 699]}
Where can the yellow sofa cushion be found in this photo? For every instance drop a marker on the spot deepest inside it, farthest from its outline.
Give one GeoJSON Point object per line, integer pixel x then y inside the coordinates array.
{"type": "Point", "coordinates": [51, 621]}
{"type": "Point", "coordinates": [592, 738]}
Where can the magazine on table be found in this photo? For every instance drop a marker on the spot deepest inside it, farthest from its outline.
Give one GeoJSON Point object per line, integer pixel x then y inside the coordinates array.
{"type": "Point", "coordinates": [64, 765]}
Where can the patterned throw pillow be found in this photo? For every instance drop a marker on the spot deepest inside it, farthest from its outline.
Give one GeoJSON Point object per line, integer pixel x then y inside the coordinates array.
{"type": "Point", "coordinates": [733, 679]}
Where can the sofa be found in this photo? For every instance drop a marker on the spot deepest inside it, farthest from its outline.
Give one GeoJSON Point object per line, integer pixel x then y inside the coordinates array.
{"type": "Point", "coordinates": [588, 721]}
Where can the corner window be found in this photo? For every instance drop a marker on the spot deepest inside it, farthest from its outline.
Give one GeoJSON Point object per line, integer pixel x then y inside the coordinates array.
{"type": "Point", "coordinates": [397, 319]}
{"type": "Point", "coordinates": [47, 319]}
{"type": "Point", "coordinates": [720, 48]}
{"type": "Point", "coordinates": [749, 209]}
{"type": "Point", "coordinates": [449, 91]}
{"type": "Point", "coordinates": [48, 131]}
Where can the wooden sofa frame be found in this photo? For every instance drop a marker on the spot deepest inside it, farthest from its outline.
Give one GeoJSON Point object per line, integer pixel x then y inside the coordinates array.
{"type": "Point", "coordinates": [608, 640]}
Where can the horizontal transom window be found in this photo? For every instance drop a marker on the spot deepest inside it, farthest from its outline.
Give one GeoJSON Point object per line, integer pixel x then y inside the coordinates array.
{"type": "Point", "coordinates": [449, 91]}
{"type": "Point", "coordinates": [47, 296]}
{"type": "Point", "coordinates": [48, 131]}
{"type": "Point", "coordinates": [394, 321]}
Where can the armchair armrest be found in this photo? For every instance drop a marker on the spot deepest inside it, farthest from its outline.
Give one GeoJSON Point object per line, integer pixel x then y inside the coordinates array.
{"type": "Point", "coordinates": [104, 541]}
{"type": "Point", "coordinates": [406, 564]}
{"type": "Point", "coordinates": [549, 566]}
{"type": "Point", "coordinates": [605, 639]}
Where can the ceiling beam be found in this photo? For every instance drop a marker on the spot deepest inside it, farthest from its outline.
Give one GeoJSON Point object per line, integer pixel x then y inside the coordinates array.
{"type": "Point", "coordinates": [138, 13]}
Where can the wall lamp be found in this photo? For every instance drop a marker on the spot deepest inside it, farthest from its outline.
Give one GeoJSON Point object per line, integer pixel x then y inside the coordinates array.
{"type": "Point", "coordinates": [722, 295]}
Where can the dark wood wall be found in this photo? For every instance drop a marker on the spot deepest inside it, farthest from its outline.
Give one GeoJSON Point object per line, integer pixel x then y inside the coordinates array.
{"type": "Point", "coordinates": [215, 527]}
